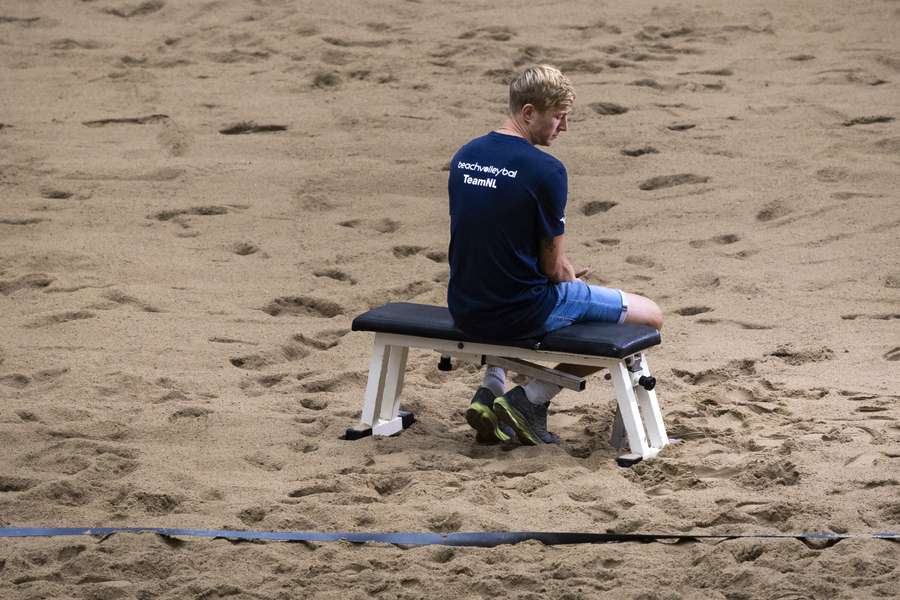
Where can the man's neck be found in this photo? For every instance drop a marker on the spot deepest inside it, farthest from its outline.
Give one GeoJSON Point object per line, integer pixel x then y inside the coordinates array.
{"type": "Point", "coordinates": [513, 127]}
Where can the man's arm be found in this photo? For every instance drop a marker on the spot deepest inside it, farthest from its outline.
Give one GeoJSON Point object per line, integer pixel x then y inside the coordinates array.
{"type": "Point", "coordinates": [553, 261]}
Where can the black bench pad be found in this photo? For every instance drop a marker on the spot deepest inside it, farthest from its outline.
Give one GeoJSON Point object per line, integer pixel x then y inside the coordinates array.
{"type": "Point", "coordinates": [589, 338]}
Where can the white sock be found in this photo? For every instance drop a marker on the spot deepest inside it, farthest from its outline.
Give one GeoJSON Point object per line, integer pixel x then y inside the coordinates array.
{"type": "Point", "coordinates": [495, 380]}
{"type": "Point", "coordinates": [540, 392]}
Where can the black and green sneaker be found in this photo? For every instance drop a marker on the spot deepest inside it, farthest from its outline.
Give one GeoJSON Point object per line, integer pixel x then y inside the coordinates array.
{"type": "Point", "coordinates": [480, 416]}
{"type": "Point", "coordinates": [527, 419]}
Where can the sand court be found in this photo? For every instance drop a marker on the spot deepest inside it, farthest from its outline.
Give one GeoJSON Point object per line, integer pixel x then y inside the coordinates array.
{"type": "Point", "coordinates": [197, 198]}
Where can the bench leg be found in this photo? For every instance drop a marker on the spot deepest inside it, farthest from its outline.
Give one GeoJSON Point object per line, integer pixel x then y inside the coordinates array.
{"type": "Point", "coordinates": [637, 415]}
{"type": "Point", "coordinates": [381, 414]}
{"type": "Point", "coordinates": [629, 412]}
{"type": "Point", "coordinates": [652, 416]}
{"type": "Point", "coordinates": [389, 419]}
{"type": "Point", "coordinates": [378, 366]}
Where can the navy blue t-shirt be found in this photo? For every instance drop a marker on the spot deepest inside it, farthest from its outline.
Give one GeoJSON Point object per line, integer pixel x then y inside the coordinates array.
{"type": "Point", "coordinates": [505, 196]}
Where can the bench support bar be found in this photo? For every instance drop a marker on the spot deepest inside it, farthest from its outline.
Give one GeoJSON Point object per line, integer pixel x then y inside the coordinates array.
{"type": "Point", "coordinates": [638, 417]}
{"type": "Point", "coordinates": [540, 372]}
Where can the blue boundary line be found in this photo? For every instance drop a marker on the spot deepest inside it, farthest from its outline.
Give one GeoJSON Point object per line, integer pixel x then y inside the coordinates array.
{"type": "Point", "coordinates": [479, 539]}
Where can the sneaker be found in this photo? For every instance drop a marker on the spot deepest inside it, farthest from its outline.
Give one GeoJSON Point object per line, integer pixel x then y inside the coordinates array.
{"type": "Point", "coordinates": [480, 416]}
{"type": "Point", "coordinates": [528, 420]}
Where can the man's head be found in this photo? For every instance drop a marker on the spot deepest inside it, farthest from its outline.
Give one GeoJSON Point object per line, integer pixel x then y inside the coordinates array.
{"type": "Point", "coordinates": [540, 99]}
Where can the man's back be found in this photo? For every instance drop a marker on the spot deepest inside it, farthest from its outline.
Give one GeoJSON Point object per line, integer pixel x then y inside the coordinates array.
{"type": "Point", "coordinates": [505, 196]}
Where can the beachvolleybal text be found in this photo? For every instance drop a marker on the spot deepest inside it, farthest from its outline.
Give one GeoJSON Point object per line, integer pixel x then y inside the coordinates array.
{"type": "Point", "coordinates": [483, 181]}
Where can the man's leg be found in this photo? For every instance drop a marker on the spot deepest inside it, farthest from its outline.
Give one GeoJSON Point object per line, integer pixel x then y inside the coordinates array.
{"type": "Point", "coordinates": [525, 408]}
{"type": "Point", "coordinates": [480, 414]}
{"type": "Point", "coordinates": [641, 311]}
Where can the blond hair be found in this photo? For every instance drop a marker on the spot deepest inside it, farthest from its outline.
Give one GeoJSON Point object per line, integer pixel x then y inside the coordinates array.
{"type": "Point", "coordinates": [544, 86]}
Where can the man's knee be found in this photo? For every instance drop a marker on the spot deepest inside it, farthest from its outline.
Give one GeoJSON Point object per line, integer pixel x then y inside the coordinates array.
{"type": "Point", "coordinates": [643, 311]}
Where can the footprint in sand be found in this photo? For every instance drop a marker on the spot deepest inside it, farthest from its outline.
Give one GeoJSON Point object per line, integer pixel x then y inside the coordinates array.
{"type": "Point", "coordinates": [253, 515]}
{"type": "Point", "coordinates": [690, 311]}
{"type": "Point", "coordinates": [31, 281]}
{"type": "Point", "coordinates": [438, 256]}
{"type": "Point", "coordinates": [312, 202]}
{"type": "Point", "coordinates": [892, 354]}
{"type": "Point", "coordinates": [75, 455]}
{"type": "Point", "coordinates": [247, 127]}
{"type": "Point", "coordinates": [763, 475]}
{"type": "Point", "coordinates": [877, 317]}
{"type": "Point", "coordinates": [341, 382]}
{"type": "Point", "coordinates": [869, 120]}
{"type": "Point", "coordinates": [161, 174]}
{"type": "Point", "coordinates": [602, 242]}
{"type": "Point", "coordinates": [723, 240]}
{"type": "Point", "coordinates": [15, 484]}
{"type": "Point", "coordinates": [291, 351]}
{"type": "Point", "coordinates": [681, 126]}
{"type": "Point", "coordinates": [303, 305]}
{"type": "Point", "coordinates": [21, 220]}
{"type": "Point", "coordinates": [326, 80]}
{"type": "Point", "coordinates": [150, 502]}
{"type": "Point", "coordinates": [244, 248]}
{"type": "Point", "coordinates": [608, 108]}
{"type": "Point", "coordinates": [136, 10]}
{"type": "Point", "coordinates": [741, 324]}
{"type": "Point", "coordinates": [52, 193]}
{"type": "Point", "coordinates": [314, 403]}
{"type": "Point", "coordinates": [66, 44]}
{"type": "Point", "coordinates": [190, 412]}
{"type": "Point", "coordinates": [493, 32]}
{"type": "Point", "coordinates": [597, 206]}
{"type": "Point", "coordinates": [802, 357]}
{"type": "Point", "coordinates": [407, 251]}
{"type": "Point", "coordinates": [667, 181]}
{"type": "Point", "coordinates": [323, 340]}
{"type": "Point", "coordinates": [402, 293]}
{"type": "Point", "coordinates": [640, 261]}
{"type": "Point", "coordinates": [235, 56]}
{"type": "Point", "coordinates": [264, 461]}
{"type": "Point", "coordinates": [62, 492]}
{"type": "Point", "coordinates": [335, 274]}
{"type": "Point", "coordinates": [639, 151]}
{"type": "Point", "coordinates": [155, 118]}
{"type": "Point", "coordinates": [773, 210]}
{"type": "Point", "coordinates": [15, 380]}
{"type": "Point", "coordinates": [730, 371]}
{"type": "Point", "coordinates": [646, 82]}
{"type": "Point", "coordinates": [24, 21]}
{"type": "Point", "coordinates": [121, 298]}
{"type": "Point", "coordinates": [384, 225]}
{"type": "Point", "coordinates": [60, 318]}
{"type": "Point", "coordinates": [205, 211]}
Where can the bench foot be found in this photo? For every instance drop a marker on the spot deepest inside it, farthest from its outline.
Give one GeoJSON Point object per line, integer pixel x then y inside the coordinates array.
{"type": "Point", "coordinates": [628, 460]}
{"type": "Point", "coordinates": [403, 421]}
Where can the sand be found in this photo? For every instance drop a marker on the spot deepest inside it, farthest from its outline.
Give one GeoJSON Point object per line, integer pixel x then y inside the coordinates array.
{"type": "Point", "coordinates": [196, 198]}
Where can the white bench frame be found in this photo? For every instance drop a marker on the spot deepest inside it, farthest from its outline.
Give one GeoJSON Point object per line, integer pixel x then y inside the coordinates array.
{"type": "Point", "coordinates": [638, 409]}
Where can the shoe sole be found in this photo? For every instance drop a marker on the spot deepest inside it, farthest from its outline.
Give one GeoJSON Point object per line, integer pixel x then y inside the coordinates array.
{"type": "Point", "coordinates": [483, 420]}
{"type": "Point", "coordinates": [517, 421]}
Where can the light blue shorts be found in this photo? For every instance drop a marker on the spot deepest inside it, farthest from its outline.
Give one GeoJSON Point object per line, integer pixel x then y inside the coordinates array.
{"type": "Point", "coordinates": [579, 301]}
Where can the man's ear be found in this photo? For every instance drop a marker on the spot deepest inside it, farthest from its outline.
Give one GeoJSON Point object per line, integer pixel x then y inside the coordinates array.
{"type": "Point", "coordinates": [528, 112]}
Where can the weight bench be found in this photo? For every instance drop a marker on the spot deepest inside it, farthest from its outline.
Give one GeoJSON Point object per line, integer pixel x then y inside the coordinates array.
{"type": "Point", "coordinates": [619, 348]}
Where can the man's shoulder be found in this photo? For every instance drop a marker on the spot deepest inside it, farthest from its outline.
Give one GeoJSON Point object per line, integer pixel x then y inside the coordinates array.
{"type": "Point", "coordinates": [546, 164]}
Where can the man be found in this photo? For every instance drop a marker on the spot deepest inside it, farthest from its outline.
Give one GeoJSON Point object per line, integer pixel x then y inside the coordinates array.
{"type": "Point", "coordinates": [509, 275]}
